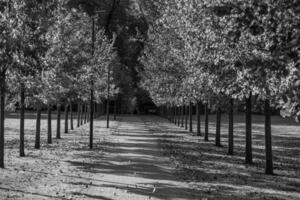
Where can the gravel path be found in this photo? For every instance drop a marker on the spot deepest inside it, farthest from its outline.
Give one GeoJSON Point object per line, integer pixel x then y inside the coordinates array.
{"type": "Point", "coordinates": [126, 163]}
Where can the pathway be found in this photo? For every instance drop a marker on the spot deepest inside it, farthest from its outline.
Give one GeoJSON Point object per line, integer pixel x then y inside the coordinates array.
{"type": "Point", "coordinates": [127, 164]}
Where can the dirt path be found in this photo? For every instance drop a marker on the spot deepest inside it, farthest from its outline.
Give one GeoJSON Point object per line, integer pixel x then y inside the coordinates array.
{"type": "Point", "coordinates": [126, 164]}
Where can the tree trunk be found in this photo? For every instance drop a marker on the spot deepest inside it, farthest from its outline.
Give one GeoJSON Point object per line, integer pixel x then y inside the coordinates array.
{"type": "Point", "coordinates": [230, 128]}
{"type": "Point", "coordinates": [206, 122]}
{"type": "Point", "coordinates": [182, 116]}
{"type": "Point", "coordinates": [22, 119]}
{"type": "Point", "coordinates": [218, 128]}
{"type": "Point", "coordinates": [91, 117]}
{"type": "Point", "coordinates": [66, 117]}
{"type": "Point", "coordinates": [191, 116]}
{"type": "Point", "coordinates": [198, 118]}
{"type": "Point", "coordinates": [186, 117]}
{"type": "Point", "coordinates": [78, 114]}
{"type": "Point", "coordinates": [176, 115]}
{"type": "Point", "coordinates": [71, 116]}
{"type": "Point", "coordinates": [81, 113]}
{"type": "Point", "coordinates": [58, 121]}
{"type": "Point", "coordinates": [115, 109]}
{"type": "Point", "coordinates": [2, 116]}
{"type": "Point", "coordinates": [38, 129]}
{"type": "Point", "coordinates": [268, 139]}
{"type": "Point", "coordinates": [85, 113]}
{"type": "Point", "coordinates": [248, 157]}
{"type": "Point", "coordinates": [49, 134]}
{"type": "Point", "coordinates": [107, 113]}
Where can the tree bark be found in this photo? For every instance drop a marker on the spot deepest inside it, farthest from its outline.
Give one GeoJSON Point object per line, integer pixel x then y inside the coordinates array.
{"type": "Point", "coordinates": [198, 118]}
{"type": "Point", "coordinates": [191, 116]}
{"type": "Point", "coordinates": [58, 136]}
{"type": "Point", "coordinates": [248, 157]}
{"type": "Point", "coordinates": [2, 116]}
{"type": "Point", "coordinates": [268, 139]}
{"type": "Point", "coordinates": [22, 119]}
{"type": "Point", "coordinates": [66, 117]}
{"type": "Point", "coordinates": [38, 129]}
{"type": "Point", "coordinates": [71, 116]}
{"type": "Point", "coordinates": [206, 122]}
{"type": "Point", "coordinates": [230, 128]}
{"type": "Point", "coordinates": [49, 133]}
{"type": "Point", "coordinates": [218, 128]}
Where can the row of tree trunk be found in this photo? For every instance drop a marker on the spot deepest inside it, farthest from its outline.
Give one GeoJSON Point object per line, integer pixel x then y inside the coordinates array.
{"type": "Point", "coordinates": [180, 115]}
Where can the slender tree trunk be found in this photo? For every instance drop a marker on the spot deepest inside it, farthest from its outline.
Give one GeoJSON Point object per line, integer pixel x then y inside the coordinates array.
{"type": "Point", "coordinates": [191, 116]}
{"type": "Point", "coordinates": [268, 139]}
{"type": "Point", "coordinates": [186, 117]}
{"type": "Point", "coordinates": [22, 119]}
{"type": "Point", "coordinates": [85, 113]}
{"type": "Point", "coordinates": [2, 116]}
{"type": "Point", "coordinates": [206, 122]}
{"type": "Point", "coordinates": [230, 128]}
{"type": "Point", "coordinates": [58, 121]}
{"type": "Point", "coordinates": [78, 114]}
{"type": "Point", "coordinates": [91, 117]}
{"type": "Point", "coordinates": [66, 117]}
{"type": "Point", "coordinates": [176, 115]}
{"type": "Point", "coordinates": [218, 127]}
{"type": "Point", "coordinates": [81, 113]}
{"type": "Point", "coordinates": [198, 118]}
{"type": "Point", "coordinates": [248, 157]}
{"type": "Point", "coordinates": [107, 113]}
{"type": "Point", "coordinates": [49, 134]}
{"type": "Point", "coordinates": [95, 110]}
{"type": "Point", "coordinates": [71, 116]}
{"type": "Point", "coordinates": [115, 109]}
{"type": "Point", "coordinates": [172, 114]}
{"type": "Point", "coordinates": [182, 116]}
{"type": "Point", "coordinates": [38, 129]}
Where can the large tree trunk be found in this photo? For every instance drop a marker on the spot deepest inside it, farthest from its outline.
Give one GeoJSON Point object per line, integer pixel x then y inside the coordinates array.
{"type": "Point", "coordinates": [248, 157]}
{"type": "Point", "coordinates": [218, 127]}
{"type": "Point", "coordinates": [206, 122]}
{"type": "Point", "coordinates": [78, 114]}
{"type": "Point", "coordinates": [66, 117]}
{"type": "Point", "coordinates": [2, 116]}
{"type": "Point", "coordinates": [191, 116]}
{"type": "Point", "coordinates": [230, 128]}
{"type": "Point", "coordinates": [49, 134]}
{"type": "Point", "coordinates": [22, 119]}
{"type": "Point", "coordinates": [58, 121]}
{"type": "Point", "coordinates": [38, 129]}
{"type": "Point", "coordinates": [268, 139]}
{"type": "Point", "coordinates": [198, 118]}
{"type": "Point", "coordinates": [71, 116]}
